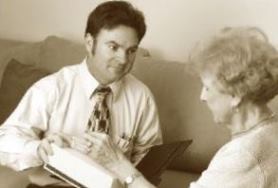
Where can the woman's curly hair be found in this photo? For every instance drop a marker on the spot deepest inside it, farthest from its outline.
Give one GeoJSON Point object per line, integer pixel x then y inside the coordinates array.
{"type": "Point", "coordinates": [243, 62]}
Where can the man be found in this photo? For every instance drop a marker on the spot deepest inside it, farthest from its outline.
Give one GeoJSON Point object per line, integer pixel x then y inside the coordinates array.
{"type": "Point", "coordinates": [85, 105]}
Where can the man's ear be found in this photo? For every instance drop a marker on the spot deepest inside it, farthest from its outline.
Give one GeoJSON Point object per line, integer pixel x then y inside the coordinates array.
{"type": "Point", "coordinates": [89, 43]}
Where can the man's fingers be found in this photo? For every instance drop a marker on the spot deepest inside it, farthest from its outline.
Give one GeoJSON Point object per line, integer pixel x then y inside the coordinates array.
{"type": "Point", "coordinates": [81, 144]}
{"type": "Point", "coordinates": [47, 147]}
{"type": "Point", "coordinates": [82, 148]}
{"type": "Point", "coordinates": [44, 149]}
{"type": "Point", "coordinates": [92, 139]}
{"type": "Point", "coordinates": [82, 141]}
{"type": "Point", "coordinates": [96, 137]}
{"type": "Point", "coordinates": [66, 139]}
{"type": "Point", "coordinates": [59, 139]}
{"type": "Point", "coordinates": [43, 154]}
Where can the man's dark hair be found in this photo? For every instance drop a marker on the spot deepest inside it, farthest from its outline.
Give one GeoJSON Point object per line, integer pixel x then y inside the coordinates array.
{"type": "Point", "coordinates": [111, 14]}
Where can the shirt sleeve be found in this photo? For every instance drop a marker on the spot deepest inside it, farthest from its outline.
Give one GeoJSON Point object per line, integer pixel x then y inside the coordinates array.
{"type": "Point", "coordinates": [231, 169]}
{"type": "Point", "coordinates": [149, 132]}
{"type": "Point", "coordinates": [20, 133]}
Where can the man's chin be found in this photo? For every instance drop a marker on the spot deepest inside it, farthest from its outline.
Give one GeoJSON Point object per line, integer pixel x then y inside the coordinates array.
{"type": "Point", "coordinates": [117, 77]}
{"type": "Point", "coordinates": [118, 70]}
{"type": "Point", "coordinates": [118, 73]}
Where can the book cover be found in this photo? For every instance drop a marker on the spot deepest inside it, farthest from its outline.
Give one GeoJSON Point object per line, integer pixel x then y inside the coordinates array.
{"type": "Point", "coordinates": [79, 170]}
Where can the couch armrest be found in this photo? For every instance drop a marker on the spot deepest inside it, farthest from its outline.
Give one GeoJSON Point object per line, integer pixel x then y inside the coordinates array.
{"type": "Point", "coordinates": [12, 179]}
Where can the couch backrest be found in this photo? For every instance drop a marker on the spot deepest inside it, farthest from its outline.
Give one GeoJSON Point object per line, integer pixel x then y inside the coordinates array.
{"type": "Point", "coordinates": [25, 52]}
{"type": "Point", "coordinates": [176, 91]}
{"type": "Point", "coordinates": [182, 114]}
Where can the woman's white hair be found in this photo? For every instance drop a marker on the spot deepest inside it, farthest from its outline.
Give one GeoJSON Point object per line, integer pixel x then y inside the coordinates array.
{"type": "Point", "coordinates": [243, 62]}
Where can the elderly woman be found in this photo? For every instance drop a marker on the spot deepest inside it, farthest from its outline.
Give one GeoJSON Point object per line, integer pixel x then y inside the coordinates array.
{"type": "Point", "coordinates": [239, 71]}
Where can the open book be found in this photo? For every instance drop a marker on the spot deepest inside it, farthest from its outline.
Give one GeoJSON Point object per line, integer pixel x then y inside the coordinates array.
{"type": "Point", "coordinates": [79, 170]}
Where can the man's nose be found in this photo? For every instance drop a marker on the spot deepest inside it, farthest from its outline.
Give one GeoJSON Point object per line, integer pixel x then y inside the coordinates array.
{"type": "Point", "coordinates": [122, 57]}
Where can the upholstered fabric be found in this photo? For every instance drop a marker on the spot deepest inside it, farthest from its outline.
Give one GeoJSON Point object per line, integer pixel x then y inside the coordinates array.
{"type": "Point", "coordinates": [12, 179]}
{"type": "Point", "coordinates": [17, 78]}
{"type": "Point", "coordinates": [182, 114]}
{"type": "Point", "coordinates": [177, 179]}
{"type": "Point", "coordinates": [27, 53]}
{"type": "Point", "coordinates": [57, 52]}
{"type": "Point", "coordinates": [182, 117]}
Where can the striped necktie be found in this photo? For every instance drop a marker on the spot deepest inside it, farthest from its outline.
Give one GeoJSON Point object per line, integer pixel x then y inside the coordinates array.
{"type": "Point", "coordinates": [100, 117]}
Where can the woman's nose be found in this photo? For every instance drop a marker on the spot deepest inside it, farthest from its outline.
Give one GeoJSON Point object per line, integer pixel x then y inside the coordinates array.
{"type": "Point", "coordinates": [203, 95]}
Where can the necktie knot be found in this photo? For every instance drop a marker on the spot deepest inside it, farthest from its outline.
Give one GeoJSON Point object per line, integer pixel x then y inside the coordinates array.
{"type": "Point", "coordinates": [101, 93]}
{"type": "Point", "coordinates": [102, 89]}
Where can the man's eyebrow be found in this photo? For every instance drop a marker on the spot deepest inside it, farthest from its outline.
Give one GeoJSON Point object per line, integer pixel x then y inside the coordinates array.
{"type": "Point", "coordinates": [112, 42]}
{"type": "Point", "coordinates": [117, 44]}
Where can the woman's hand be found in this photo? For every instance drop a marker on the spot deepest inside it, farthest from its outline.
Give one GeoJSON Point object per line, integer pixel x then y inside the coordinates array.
{"type": "Point", "coordinates": [107, 154]}
{"type": "Point", "coordinates": [103, 150]}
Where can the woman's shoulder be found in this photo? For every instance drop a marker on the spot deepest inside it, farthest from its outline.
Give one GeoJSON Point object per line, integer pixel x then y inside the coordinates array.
{"type": "Point", "coordinates": [229, 165]}
{"type": "Point", "coordinates": [236, 148]}
{"type": "Point", "coordinates": [251, 147]}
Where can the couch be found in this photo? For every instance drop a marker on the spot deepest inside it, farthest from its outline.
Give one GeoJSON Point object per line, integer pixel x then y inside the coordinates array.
{"type": "Point", "coordinates": [176, 90]}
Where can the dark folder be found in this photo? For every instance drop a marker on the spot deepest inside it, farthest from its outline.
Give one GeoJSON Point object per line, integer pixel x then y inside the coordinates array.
{"type": "Point", "coordinates": [159, 158]}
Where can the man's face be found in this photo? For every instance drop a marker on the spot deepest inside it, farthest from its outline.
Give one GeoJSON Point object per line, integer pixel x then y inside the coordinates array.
{"type": "Point", "coordinates": [112, 53]}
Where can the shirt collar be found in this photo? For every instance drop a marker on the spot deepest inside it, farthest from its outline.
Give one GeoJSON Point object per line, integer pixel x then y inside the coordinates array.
{"type": "Point", "coordinates": [116, 88]}
{"type": "Point", "coordinates": [90, 83]}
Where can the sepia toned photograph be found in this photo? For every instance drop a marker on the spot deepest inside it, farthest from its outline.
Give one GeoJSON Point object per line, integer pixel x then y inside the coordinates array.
{"type": "Point", "coordinates": [138, 94]}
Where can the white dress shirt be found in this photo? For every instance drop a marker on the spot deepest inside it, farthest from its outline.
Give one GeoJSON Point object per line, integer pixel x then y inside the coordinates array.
{"type": "Point", "coordinates": [249, 160]}
{"type": "Point", "coordinates": [61, 103]}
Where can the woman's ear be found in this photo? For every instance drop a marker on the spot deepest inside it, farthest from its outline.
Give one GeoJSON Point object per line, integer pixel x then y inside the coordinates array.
{"type": "Point", "coordinates": [89, 43]}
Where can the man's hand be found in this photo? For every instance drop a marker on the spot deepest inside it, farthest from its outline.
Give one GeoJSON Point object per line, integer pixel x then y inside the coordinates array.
{"type": "Point", "coordinates": [81, 143]}
{"type": "Point", "coordinates": [103, 150]}
{"type": "Point", "coordinates": [44, 149]}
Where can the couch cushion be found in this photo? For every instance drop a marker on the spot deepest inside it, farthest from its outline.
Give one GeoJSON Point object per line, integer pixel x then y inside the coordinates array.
{"type": "Point", "coordinates": [16, 80]}
{"type": "Point", "coordinates": [182, 114]}
{"type": "Point", "coordinates": [13, 179]}
{"type": "Point", "coordinates": [25, 52]}
{"type": "Point", "coordinates": [57, 52]}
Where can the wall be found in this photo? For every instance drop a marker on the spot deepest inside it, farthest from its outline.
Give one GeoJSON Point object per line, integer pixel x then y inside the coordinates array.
{"type": "Point", "coordinates": [174, 26]}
